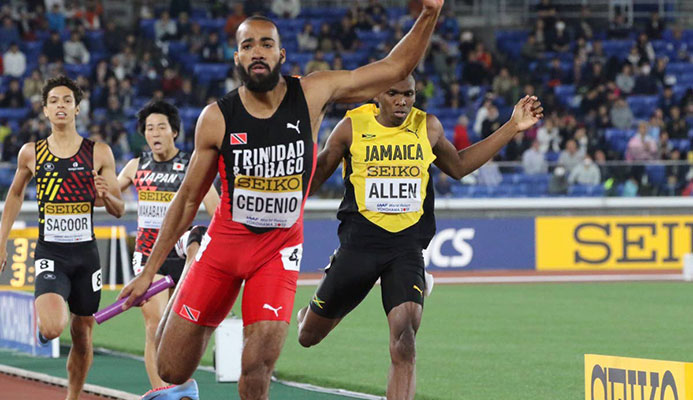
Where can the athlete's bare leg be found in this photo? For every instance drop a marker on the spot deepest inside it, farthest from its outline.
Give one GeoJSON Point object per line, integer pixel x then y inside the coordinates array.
{"type": "Point", "coordinates": [312, 328]}
{"type": "Point", "coordinates": [152, 312]}
{"type": "Point", "coordinates": [181, 348]}
{"type": "Point", "coordinates": [263, 342]}
{"type": "Point", "coordinates": [191, 252]}
{"type": "Point", "coordinates": [52, 314]}
{"type": "Point", "coordinates": [404, 321]}
{"type": "Point", "coordinates": [81, 354]}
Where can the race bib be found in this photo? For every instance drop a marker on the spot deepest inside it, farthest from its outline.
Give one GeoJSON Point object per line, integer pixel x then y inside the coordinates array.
{"type": "Point", "coordinates": [152, 207]}
{"type": "Point", "coordinates": [137, 266]}
{"type": "Point", "coordinates": [393, 195]}
{"type": "Point", "coordinates": [291, 257]}
{"type": "Point", "coordinates": [43, 265]}
{"type": "Point", "coordinates": [67, 222]}
{"type": "Point", "coordinates": [267, 202]}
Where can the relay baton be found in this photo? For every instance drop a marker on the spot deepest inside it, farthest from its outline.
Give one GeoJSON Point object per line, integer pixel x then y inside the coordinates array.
{"type": "Point", "coordinates": [117, 307]}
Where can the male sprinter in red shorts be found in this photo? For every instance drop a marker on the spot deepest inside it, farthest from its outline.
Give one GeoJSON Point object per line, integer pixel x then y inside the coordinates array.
{"type": "Point", "coordinates": [386, 216]}
{"type": "Point", "coordinates": [261, 138]}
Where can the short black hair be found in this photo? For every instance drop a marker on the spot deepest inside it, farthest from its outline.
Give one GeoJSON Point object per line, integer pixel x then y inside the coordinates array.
{"type": "Point", "coordinates": [158, 107]}
{"type": "Point", "coordinates": [61, 80]}
{"type": "Point", "coordinates": [262, 18]}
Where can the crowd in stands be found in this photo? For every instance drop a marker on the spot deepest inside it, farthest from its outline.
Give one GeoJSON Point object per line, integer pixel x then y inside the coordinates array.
{"type": "Point", "coordinates": [612, 93]}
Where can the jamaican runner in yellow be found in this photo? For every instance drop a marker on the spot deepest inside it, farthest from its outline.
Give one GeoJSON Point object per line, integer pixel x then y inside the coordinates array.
{"type": "Point", "coordinates": [386, 216]}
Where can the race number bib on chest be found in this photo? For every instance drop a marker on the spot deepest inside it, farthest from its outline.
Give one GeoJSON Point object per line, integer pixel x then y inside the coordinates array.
{"type": "Point", "coordinates": [267, 202]}
{"type": "Point", "coordinates": [67, 222]}
{"type": "Point", "coordinates": [152, 207]}
{"type": "Point", "coordinates": [388, 195]}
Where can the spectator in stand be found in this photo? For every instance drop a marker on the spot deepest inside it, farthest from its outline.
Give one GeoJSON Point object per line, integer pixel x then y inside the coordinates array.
{"type": "Point", "coordinates": [621, 115]}
{"type": "Point", "coordinates": [645, 83]}
{"type": "Point", "coordinates": [171, 83]}
{"type": "Point", "coordinates": [14, 62]}
{"type": "Point", "coordinates": [75, 51]}
{"type": "Point", "coordinates": [196, 39]}
{"type": "Point", "coordinates": [491, 123]}
{"type": "Point", "coordinates": [102, 73]}
{"type": "Point", "coordinates": [645, 48]}
{"type": "Point", "coordinates": [326, 41]}
{"type": "Point", "coordinates": [474, 72]}
{"type": "Point", "coordinates": [583, 49]}
{"type": "Point", "coordinates": [585, 173]}
{"type": "Point", "coordinates": [33, 84]}
{"type": "Point", "coordinates": [558, 184]}
{"type": "Point", "coordinates": [677, 126]}
{"type": "Point", "coordinates": [660, 72]}
{"type": "Point", "coordinates": [178, 7]}
{"type": "Point", "coordinates": [318, 63]}
{"type": "Point", "coordinates": [667, 101]}
{"type": "Point", "coordinates": [664, 146]}
{"type": "Point", "coordinates": [114, 112]}
{"type": "Point", "coordinates": [548, 137]}
{"type": "Point", "coordinates": [482, 114]}
{"type": "Point", "coordinates": [13, 98]}
{"type": "Point", "coordinates": [516, 147]}
{"type": "Point", "coordinates": [561, 42]}
{"type": "Point", "coordinates": [165, 28]}
{"type": "Point", "coordinates": [533, 160]}
{"type": "Point", "coordinates": [583, 27]}
{"type": "Point", "coordinates": [630, 187]}
{"type": "Point", "coordinates": [655, 26]}
{"type": "Point", "coordinates": [346, 38]}
{"type": "Point", "coordinates": [634, 56]}
{"type": "Point", "coordinates": [255, 7]}
{"type": "Point", "coordinates": [603, 119]}
{"type": "Point", "coordinates": [56, 19]}
{"type": "Point", "coordinates": [307, 40]}
{"type": "Point", "coordinates": [571, 156]}
{"type": "Point", "coordinates": [677, 169]}
{"type": "Point", "coordinates": [191, 96]}
{"type": "Point", "coordinates": [489, 174]}
{"type": "Point", "coordinates": [625, 80]}
{"type": "Point", "coordinates": [183, 26]}
{"type": "Point", "coordinates": [113, 37]}
{"type": "Point", "coordinates": [641, 147]}
{"type": "Point", "coordinates": [530, 49]}
{"type": "Point", "coordinates": [454, 97]}
{"type": "Point", "coordinates": [442, 185]}
{"type": "Point", "coordinates": [460, 138]}
{"type": "Point", "coordinates": [235, 19]}
{"type": "Point", "coordinates": [229, 48]}
{"type": "Point", "coordinates": [127, 60]}
{"type": "Point", "coordinates": [212, 51]}
{"type": "Point", "coordinates": [503, 84]}
{"type": "Point", "coordinates": [618, 27]}
{"type": "Point", "coordinates": [337, 63]}
{"type": "Point", "coordinates": [286, 8]}
{"type": "Point", "coordinates": [9, 33]}
{"type": "Point", "coordinates": [556, 74]}
{"type": "Point", "coordinates": [89, 15]}
{"type": "Point", "coordinates": [126, 93]}
{"type": "Point", "coordinates": [483, 56]}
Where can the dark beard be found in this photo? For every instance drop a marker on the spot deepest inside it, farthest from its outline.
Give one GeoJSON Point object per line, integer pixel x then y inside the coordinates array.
{"type": "Point", "coordinates": [261, 84]}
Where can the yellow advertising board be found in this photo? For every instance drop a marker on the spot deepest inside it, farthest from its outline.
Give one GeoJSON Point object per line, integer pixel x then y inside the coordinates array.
{"type": "Point", "coordinates": [610, 377]}
{"type": "Point", "coordinates": [613, 242]}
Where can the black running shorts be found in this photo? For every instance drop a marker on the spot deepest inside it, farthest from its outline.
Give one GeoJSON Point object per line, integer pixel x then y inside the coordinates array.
{"type": "Point", "coordinates": [72, 270]}
{"type": "Point", "coordinates": [352, 273]}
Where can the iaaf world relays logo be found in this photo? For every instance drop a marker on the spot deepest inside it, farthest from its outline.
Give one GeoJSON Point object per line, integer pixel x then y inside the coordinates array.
{"type": "Point", "coordinates": [608, 377]}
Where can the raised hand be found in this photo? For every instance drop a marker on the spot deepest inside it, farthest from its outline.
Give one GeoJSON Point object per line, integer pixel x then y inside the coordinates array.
{"type": "Point", "coordinates": [527, 112]}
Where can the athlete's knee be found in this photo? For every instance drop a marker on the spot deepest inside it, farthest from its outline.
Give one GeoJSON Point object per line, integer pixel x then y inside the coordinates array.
{"type": "Point", "coordinates": [308, 337]}
{"type": "Point", "coordinates": [403, 345]}
{"type": "Point", "coordinates": [171, 373]}
{"type": "Point", "coordinates": [80, 330]}
{"type": "Point", "coordinates": [51, 331]}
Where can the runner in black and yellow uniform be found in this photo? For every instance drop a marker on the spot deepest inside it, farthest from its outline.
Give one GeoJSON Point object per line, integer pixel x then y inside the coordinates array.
{"type": "Point", "coordinates": [157, 176]}
{"type": "Point", "coordinates": [72, 176]}
{"type": "Point", "coordinates": [386, 216]}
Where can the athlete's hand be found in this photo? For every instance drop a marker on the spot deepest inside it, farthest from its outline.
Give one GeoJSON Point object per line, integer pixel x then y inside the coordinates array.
{"type": "Point", "coordinates": [433, 5]}
{"type": "Point", "coordinates": [100, 184]}
{"type": "Point", "coordinates": [134, 290]}
{"type": "Point", "coordinates": [527, 112]}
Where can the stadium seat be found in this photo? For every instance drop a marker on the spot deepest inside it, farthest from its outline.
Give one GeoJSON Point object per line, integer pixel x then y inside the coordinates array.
{"type": "Point", "coordinates": [643, 106]}
{"type": "Point", "coordinates": [13, 113]}
{"type": "Point", "coordinates": [656, 174]}
{"type": "Point", "coordinates": [209, 72]}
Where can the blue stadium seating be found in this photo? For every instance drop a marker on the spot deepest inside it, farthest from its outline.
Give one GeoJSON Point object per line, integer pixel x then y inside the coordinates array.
{"type": "Point", "coordinates": [209, 72]}
{"type": "Point", "coordinates": [643, 106]}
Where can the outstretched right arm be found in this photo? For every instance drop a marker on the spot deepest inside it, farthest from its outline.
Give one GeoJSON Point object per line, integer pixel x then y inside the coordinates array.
{"type": "Point", "coordinates": [15, 196]}
{"type": "Point", "coordinates": [202, 170]}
